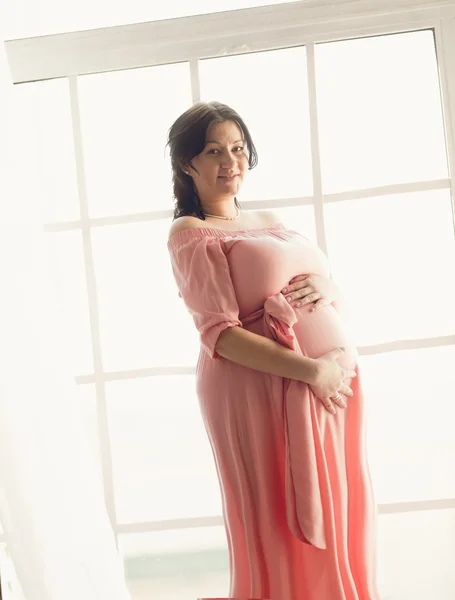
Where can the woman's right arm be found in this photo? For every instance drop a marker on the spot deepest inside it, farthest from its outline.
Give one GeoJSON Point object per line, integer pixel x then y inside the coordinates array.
{"type": "Point", "coordinates": [263, 354]}
{"type": "Point", "coordinates": [324, 375]}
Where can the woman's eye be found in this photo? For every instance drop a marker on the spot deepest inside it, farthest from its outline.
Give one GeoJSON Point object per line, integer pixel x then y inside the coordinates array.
{"type": "Point", "coordinates": [215, 149]}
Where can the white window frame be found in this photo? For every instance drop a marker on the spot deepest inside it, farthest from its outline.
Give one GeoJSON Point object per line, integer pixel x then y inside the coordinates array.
{"type": "Point", "coordinates": [191, 39]}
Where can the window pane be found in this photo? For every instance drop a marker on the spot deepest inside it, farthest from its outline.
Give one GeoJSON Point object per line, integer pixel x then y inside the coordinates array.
{"type": "Point", "coordinates": [40, 153]}
{"type": "Point", "coordinates": [143, 321]}
{"type": "Point", "coordinates": [160, 447]}
{"type": "Point", "coordinates": [55, 157]}
{"type": "Point", "coordinates": [298, 218]}
{"type": "Point", "coordinates": [379, 110]}
{"type": "Point", "coordinates": [66, 260]}
{"type": "Point", "coordinates": [269, 91]}
{"type": "Point", "coordinates": [125, 117]}
{"type": "Point", "coordinates": [411, 437]}
{"type": "Point", "coordinates": [415, 555]}
{"type": "Point", "coordinates": [177, 564]}
{"type": "Point", "coordinates": [394, 258]}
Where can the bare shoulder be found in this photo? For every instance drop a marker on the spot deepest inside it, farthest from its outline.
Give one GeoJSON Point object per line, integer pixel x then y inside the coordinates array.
{"type": "Point", "coordinates": [261, 218]}
{"type": "Point", "coordinates": [182, 223]}
{"type": "Point", "coordinates": [270, 218]}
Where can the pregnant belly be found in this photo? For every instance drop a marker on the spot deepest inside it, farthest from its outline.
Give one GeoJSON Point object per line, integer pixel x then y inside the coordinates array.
{"type": "Point", "coordinates": [322, 330]}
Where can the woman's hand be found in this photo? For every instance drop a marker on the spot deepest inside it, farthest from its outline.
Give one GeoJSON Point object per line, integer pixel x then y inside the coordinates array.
{"type": "Point", "coordinates": [309, 289]}
{"type": "Point", "coordinates": [330, 381]}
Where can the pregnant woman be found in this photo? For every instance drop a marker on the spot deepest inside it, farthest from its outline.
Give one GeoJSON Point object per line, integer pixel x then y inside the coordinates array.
{"type": "Point", "coordinates": [281, 401]}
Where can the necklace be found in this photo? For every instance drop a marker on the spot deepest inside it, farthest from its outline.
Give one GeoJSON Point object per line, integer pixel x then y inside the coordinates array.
{"type": "Point", "coordinates": [228, 218]}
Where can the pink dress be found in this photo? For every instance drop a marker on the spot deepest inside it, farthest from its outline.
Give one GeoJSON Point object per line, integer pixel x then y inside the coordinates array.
{"type": "Point", "coordinates": [298, 503]}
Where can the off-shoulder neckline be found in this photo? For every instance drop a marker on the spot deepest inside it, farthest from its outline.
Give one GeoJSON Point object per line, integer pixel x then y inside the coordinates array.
{"type": "Point", "coordinates": [201, 231]}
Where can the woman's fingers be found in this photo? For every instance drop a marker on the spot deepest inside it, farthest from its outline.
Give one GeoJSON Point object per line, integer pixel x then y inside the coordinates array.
{"type": "Point", "coordinates": [329, 403]}
{"type": "Point", "coordinates": [329, 406]}
{"type": "Point", "coordinates": [346, 390]}
{"type": "Point", "coordinates": [340, 401]}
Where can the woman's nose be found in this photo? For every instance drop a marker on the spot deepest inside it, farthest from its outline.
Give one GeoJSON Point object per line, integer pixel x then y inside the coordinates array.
{"type": "Point", "coordinates": [228, 161]}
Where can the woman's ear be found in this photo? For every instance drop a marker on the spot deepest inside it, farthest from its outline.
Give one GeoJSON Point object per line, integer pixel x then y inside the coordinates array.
{"type": "Point", "coordinates": [187, 168]}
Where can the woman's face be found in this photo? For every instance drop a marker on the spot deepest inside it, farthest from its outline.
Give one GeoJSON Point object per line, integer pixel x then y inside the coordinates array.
{"type": "Point", "coordinates": [222, 164]}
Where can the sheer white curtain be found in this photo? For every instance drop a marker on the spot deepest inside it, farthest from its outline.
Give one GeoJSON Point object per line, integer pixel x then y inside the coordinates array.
{"type": "Point", "coordinates": [56, 528]}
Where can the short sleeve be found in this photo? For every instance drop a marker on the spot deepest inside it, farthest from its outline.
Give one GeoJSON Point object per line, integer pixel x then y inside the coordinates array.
{"type": "Point", "coordinates": [203, 278]}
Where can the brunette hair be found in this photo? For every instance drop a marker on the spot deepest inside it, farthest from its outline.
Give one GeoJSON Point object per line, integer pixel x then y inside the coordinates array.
{"type": "Point", "coordinates": [186, 139]}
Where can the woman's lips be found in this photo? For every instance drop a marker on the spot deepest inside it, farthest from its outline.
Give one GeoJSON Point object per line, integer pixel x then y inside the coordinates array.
{"type": "Point", "coordinates": [228, 178]}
